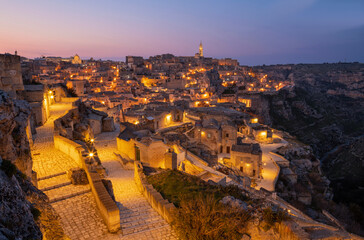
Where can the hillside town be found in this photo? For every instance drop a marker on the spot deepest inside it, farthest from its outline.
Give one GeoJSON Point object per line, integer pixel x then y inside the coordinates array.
{"type": "Point", "coordinates": [95, 133]}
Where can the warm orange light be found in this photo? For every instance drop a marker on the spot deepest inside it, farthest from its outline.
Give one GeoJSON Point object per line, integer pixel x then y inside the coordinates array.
{"type": "Point", "coordinates": [92, 140]}
{"type": "Point", "coordinates": [203, 134]}
{"type": "Point", "coordinates": [136, 122]}
{"type": "Point", "coordinates": [254, 120]}
{"type": "Point", "coordinates": [52, 97]}
{"type": "Point", "coordinates": [103, 102]}
{"type": "Point", "coordinates": [248, 164]}
{"type": "Point", "coordinates": [91, 154]}
{"type": "Point", "coordinates": [263, 134]}
{"type": "Point", "coordinates": [168, 117]}
{"type": "Point", "coordinates": [50, 92]}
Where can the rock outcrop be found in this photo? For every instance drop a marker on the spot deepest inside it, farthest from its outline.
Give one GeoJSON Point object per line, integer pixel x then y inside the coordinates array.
{"type": "Point", "coordinates": [325, 110]}
{"type": "Point", "coordinates": [16, 218]}
{"type": "Point", "coordinates": [14, 143]}
{"type": "Point", "coordinates": [25, 211]}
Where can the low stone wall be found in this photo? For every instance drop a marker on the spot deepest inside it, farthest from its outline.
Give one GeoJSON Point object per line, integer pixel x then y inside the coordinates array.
{"type": "Point", "coordinates": [69, 99]}
{"type": "Point", "coordinates": [155, 199]}
{"type": "Point", "coordinates": [190, 154]}
{"type": "Point", "coordinates": [69, 147]}
{"type": "Point", "coordinates": [284, 162]}
{"type": "Point", "coordinates": [107, 207]}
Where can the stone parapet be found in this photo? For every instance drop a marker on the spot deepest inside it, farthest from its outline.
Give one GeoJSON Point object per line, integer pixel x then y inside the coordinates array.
{"type": "Point", "coordinates": [155, 199]}
{"type": "Point", "coordinates": [107, 207]}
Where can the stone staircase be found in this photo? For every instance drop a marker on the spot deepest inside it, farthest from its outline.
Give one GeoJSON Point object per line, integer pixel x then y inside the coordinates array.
{"type": "Point", "coordinates": [58, 187]}
{"type": "Point", "coordinates": [140, 218]}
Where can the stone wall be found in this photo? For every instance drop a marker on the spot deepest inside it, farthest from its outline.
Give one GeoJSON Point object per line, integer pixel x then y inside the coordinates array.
{"type": "Point", "coordinates": [10, 74]}
{"type": "Point", "coordinates": [151, 155]}
{"type": "Point", "coordinates": [69, 147]}
{"type": "Point", "coordinates": [155, 199]}
{"type": "Point", "coordinates": [107, 207]}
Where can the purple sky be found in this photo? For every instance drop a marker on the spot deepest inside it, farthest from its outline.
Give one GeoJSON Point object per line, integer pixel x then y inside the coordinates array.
{"type": "Point", "coordinates": [254, 32]}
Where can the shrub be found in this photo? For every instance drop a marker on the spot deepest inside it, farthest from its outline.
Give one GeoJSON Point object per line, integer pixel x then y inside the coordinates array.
{"type": "Point", "coordinates": [8, 168]}
{"type": "Point", "coordinates": [271, 217]}
{"type": "Point", "coordinates": [204, 218]}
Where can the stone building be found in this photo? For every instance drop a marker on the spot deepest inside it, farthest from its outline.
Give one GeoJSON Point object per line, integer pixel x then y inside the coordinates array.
{"type": "Point", "coordinates": [217, 136]}
{"type": "Point", "coordinates": [10, 74]}
{"type": "Point", "coordinates": [76, 60]}
{"type": "Point", "coordinates": [142, 146]}
{"type": "Point", "coordinates": [246, 157]}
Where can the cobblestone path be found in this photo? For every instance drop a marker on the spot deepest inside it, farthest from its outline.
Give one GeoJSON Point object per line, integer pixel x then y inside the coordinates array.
{"type": "Point", "coordinates": [75, 204]}
{"type": "Point", "coordinates": [138, 219]}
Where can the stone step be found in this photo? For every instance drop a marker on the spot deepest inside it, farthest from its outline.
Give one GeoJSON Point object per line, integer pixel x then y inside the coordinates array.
{"type": "Point", "coordinates": [48, 183]}
{"type": "Point", "coordinates": [55, 186]}
{"type": "Point", "coordinates": [67, 190]}
{"type": "Point", "coordinates": [129, 232]}
{"type": "Point", "coordinates": [139, 216]}
{"type": "Point", "coordinates": [139, 226]}
{"type": "Point", "coordinates": [126, 206]}
{"type": "Point", "coordinates": [69, 196]}
{"type": "Point", "coordinates": [136, 210]}
{"type": "Point", "coordinates": [51, 176]}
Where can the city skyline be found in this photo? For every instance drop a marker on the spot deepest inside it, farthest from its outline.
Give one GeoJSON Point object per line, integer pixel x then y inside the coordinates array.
{"type": "Point", "coordinates": [263, 32]}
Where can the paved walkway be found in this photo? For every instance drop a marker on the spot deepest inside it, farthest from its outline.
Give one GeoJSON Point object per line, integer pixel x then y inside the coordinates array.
{"type": "Point", "coordinates": [75, 204]}
{"type": "Point", "coordinates": [138, 219]}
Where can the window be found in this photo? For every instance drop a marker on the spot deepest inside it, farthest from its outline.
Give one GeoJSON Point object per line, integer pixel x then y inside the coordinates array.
{"type": "Point", "coordinates": [228, 149]}
{"type": "Point", "coordinates": [241, 169]}
{"type": "Point", "coordinates": [253, 173]}
{"type": "Point", "coordinates": [227, 135]}
{"type": "Point", "coordinates": [221, 149]}
{"type": "Point", "coordinates": [209, 135]}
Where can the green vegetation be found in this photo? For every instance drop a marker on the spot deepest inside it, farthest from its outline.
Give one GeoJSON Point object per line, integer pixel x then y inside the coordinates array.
{"type": "Point", "coordinates": [8, 168]}
{"type": "Point", "coordinates": [175, 185]}
{"type": "Point", "coordinates": [199, 214]}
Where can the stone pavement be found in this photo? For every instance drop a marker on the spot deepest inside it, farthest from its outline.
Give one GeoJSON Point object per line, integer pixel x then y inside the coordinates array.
{"type": "Point", "coordinates": [76, 206]}
{"type": "Point", "coordinates": [138, 219]}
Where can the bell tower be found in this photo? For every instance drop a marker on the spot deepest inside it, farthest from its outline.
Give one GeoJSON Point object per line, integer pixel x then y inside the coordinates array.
{"type": "Point", "coordinates": [200, 50]}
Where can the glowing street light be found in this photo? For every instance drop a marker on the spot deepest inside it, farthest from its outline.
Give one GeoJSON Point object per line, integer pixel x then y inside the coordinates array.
{"type": "Point", "coordinates": [91, 154]}
{"type": "Point", "coordinates": [92, 140]}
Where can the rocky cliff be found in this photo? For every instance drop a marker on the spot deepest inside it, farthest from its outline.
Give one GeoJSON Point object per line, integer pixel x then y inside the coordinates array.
{"type": "Point", "coordinates": [325, 110]}
{"type": "Point", "coordinates": [14, 144]}
{"type": "Point", "coordinates": [25, 212]}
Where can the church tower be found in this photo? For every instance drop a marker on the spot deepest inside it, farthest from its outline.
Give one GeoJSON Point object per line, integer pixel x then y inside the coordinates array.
{"type": "Point", "coordinates": [200, 50]}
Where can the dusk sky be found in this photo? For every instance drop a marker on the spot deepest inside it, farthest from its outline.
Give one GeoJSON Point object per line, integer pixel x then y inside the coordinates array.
{"type": "Point", "coordinates": [254, 32]}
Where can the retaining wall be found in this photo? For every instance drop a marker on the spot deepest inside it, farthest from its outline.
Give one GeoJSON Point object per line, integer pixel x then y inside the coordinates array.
{"type": "Point", "coordinates": [284, 162]}
{"type": "Point", "coordinates": [69, 99]}
{"type": "Point", "coordinates": [190, 154]}
{"type": "Point", "coordinates": [107, 207]}
{"type": "Point", "coordinates": [155, 199]}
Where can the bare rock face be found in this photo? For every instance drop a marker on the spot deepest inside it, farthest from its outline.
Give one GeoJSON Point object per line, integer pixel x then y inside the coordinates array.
{"type": "Point", "coordinates": [14, 144]}
{"type": "Point", "coordinates": [16, 218]}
